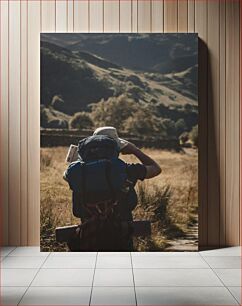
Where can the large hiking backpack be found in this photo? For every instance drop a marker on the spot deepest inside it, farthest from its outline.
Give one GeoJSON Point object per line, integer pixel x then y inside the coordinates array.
{"type": "Point", "coordinates": [101, 193]}
{"type": "Point", "coordinates": [99, 179]}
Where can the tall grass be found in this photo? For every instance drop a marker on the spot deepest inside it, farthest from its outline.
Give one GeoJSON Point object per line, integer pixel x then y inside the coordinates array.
{"type": "Point", "coordinates": [169, 201]}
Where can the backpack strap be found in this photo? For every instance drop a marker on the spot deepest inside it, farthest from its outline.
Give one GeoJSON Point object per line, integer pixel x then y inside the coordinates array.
{"type": "Point", "coordinates": [83, 169]}
{"type": "Point", "coordinates": [109, 181]}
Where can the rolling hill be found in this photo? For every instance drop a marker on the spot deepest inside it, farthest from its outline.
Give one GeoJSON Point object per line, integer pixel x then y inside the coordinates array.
{"type": "Point", "coordinates": [163, 53]}
{"type": "Point", "coordinates": [81, 69]}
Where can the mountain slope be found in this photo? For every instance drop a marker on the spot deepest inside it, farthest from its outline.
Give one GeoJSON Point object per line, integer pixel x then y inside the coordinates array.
{"type": "Point", "coordinates": [71, 76]}
{"type": "Point", "coordinates": [82, 78]}
{"type": "Point", "coordinates": [173, 52]}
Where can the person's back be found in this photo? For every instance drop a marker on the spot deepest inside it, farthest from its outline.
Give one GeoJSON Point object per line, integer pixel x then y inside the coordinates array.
{"type": "Point", "coordinates": [103, 191]}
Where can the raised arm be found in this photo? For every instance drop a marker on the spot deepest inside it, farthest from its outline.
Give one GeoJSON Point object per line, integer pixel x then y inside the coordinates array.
{"type": "Point", "coordinates": [152, 168]}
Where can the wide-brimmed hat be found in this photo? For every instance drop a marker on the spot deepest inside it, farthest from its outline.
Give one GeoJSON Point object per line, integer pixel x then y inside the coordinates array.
{"type": "Point", "coordinates": [111, 132]}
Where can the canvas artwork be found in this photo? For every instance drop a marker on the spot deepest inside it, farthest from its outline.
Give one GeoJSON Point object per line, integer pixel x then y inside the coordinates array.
{"type": "Point", "coordinates": [119, 142]}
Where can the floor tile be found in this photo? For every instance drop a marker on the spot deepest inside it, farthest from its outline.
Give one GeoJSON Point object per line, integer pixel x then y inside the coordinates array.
{"type": "Point", "coordinates": [23, 262]}
{"type": "Point", "coordinates": [118, 254]}
{"type": "Point", "coordinates": [236, 292]}
{"type": "Point", "coordinates": [11, 295]}
{"type": "Point", "coordinates": [64, 277]}
{"type": "Point", "coordinates": [230, 277]}
{"type": "Point", "coordinates": [219, 262]}
{"type": "Point", "coordinates": [73, 254]}
{"type": "Point", "coordinates": [70, 262]}
{"type": "Point", "coordinates": [113, 296]}
{"type": "Point", "coordinates": [118, 262]}
{"type": "Point", "coordinates": [113, 277]}
{"type": "Point", "coordinates": [28, 251]}
{"type": "Point", "coordinates": [176, 277]}
{"type": "Point", "coordinates": [230, 251]}
{"type": "Point", "coordinates": [169, 262]}
{"type": "Point", "coordinates": [4, 251]}
{"type": "Point", "coordinates": [184, 296]}
{"type": "Point", "coordinates": [57, 296]}
{"type": "Point", "coordinates": [17, 277]}
{"type": "Point", "coordinates": [164, 254]}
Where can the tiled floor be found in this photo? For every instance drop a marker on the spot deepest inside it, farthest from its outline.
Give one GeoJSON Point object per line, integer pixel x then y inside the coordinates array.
{"type": "Point", "coordinates": [29, 277]}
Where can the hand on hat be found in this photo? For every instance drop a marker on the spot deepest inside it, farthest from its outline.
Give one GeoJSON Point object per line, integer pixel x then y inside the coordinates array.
{"type": "Point", "coordinates": [130, 148]}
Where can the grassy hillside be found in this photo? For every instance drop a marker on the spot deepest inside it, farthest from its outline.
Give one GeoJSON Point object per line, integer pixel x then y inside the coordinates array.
{"type": "Point", "coordinates": [81, 77]}
{"type": "Point", "coordinates": [67, 74]}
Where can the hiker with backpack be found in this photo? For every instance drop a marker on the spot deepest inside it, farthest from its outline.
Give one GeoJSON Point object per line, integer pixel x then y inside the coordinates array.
{"type": "Point", "coordinates": [103, 194]}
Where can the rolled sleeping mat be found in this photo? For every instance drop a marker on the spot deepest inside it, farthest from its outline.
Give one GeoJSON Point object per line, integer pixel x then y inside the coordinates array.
{"type": "Point", "coordinates": [139, 228]}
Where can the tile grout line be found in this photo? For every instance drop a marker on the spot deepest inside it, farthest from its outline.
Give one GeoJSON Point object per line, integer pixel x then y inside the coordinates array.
{"type": "Point", "coordinates": [14, 248]}
{"type": "Point", "coordinates": [135, 295]}
{"type": "Point", "coordinates": [90, 299]}
{"type": "Point", "coordinates": [221, 280]}
{"type": "Point", "coordinates": [33, 278]}
{"type": "Point", "coordinates": [121, 269]}
{"type": "Point", "coordinates": [3, 258]}
{"type": "Point", "coordinates": [106, 286]}
{"type": "Point", "coordinates": [239, 303]}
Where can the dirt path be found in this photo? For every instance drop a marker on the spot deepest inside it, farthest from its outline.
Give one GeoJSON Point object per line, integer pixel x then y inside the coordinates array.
{"type": "Point", "coordinates": [188, 243]}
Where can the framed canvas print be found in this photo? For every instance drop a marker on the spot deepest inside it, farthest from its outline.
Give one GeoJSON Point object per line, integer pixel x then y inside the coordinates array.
{"type": "Point", "coordinates": [119, 142]}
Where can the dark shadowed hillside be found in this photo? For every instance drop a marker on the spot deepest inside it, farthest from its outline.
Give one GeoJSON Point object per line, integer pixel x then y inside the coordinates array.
{"type": "Point", "coordinates": [167, 52]}
{"type": "Point", "coordinates": [70, 75]}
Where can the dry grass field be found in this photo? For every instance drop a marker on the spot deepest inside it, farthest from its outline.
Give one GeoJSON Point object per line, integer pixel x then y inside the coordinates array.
{"type": "Point", "coordinates": [169, 201]}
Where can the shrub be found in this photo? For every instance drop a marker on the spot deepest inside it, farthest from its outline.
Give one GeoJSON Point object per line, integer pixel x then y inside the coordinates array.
{"type": "Point", "coordinates": [58, 103]}
{"type": "Point", "coordinates": [114, 111]}
{"type": "Point", "coordinates": [45, 160]}
{"type": "Point", "coordinates": [180, 126]}
{"type": "Point", "coordinates": [167, 126]}
{"type": "Point", "coordinates": [172, 97]}
{"type": "Point", "coordinates": [81, 120]}
{"type": "Point", "coordinates": [155, 201]}
{"type": "Point", "coordinates": [188, 107]}
{"type": "Point", "coordinates": [184, 137]}
{"type": "Point", "coordinates": [143, 122]}
{"type": "Point", "coordinates": [58, 124]}
{"type": "Point", "coordinates": [134, 79]}
{"type": "Point", "coordinates": [44, 117]}
{"type": "Point", "coordinates": [49, 221]}
{"type": "Point", "coordinates": [194, 135]}
{"type": "Point", "coordinates": [135, 92]}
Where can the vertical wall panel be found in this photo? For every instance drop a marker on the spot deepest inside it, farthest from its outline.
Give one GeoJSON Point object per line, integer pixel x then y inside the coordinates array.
{"type": "Point", "coordinates": [61, 16]}
{"type": "Point", "coordinates": [81, 15]}
{"type": "Point", "coordinates": [171, 15]}
{"type": "Point", "coordinates": [144, 16]}
{"type": "Point", "coordinates": [134, 15]}
{"type": "Point", "coordinates": [34, 122]}
{"type": "Point", "coordinates": [96, 15]}
{"type": "Point", "coordinates": [24, 124]}
{"type": "Point", "coordinates": [213, 123]}
{"type": "Point", "coordinates": [111, 16]}
{"type": "Point", "coordinates": [232, 122]}
{"type": "Point", "coordinates": [191, 15]}
{"type": "Point", "coordinates": [4, 123]}
{"type": "Point", "coordinates": [70, 15]}
{"type": "Point", "coordinates": [14, 121]}
{"type": "Point", "coordinates": [240, 126]}
{"type": "Point", "coordinates": [125, 15]}
{"type": "Point", "coordinates": [201, 28]}
{"type": "Point", "coordinates": [48, 15]}
{"type": "Point", "coordinates": [157, 21]}
{"type": "Point", "coordinates": [222, 121]}
{"type": "Point", "coordinates": [183, 15]}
